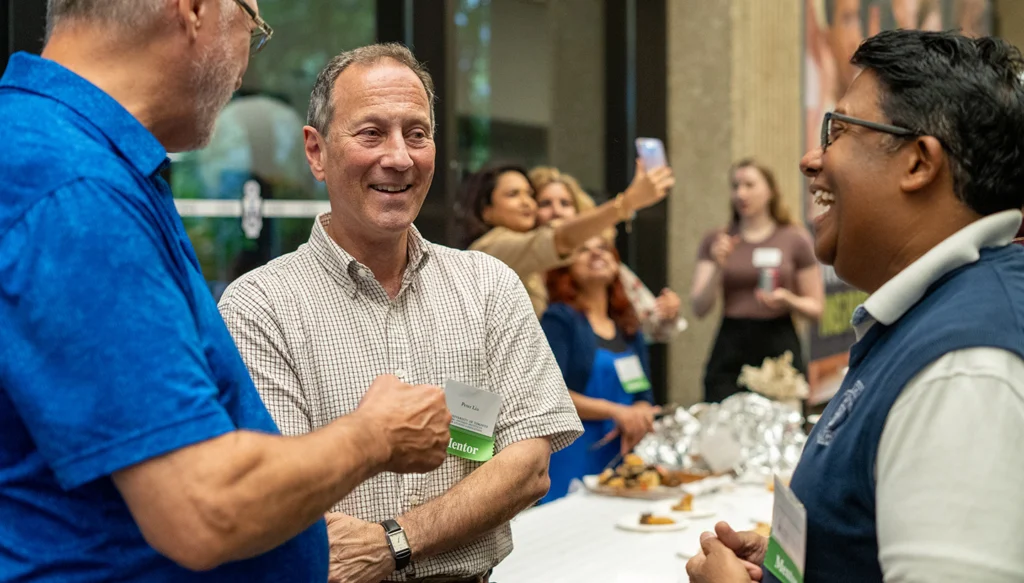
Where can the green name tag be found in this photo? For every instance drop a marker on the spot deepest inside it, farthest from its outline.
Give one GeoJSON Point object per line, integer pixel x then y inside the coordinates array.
{"type": "Point", "coordinates": [474, 415]}
{"type": "Point", "coordinates": [787, 544]}
{"type": "Point", "coordinates": [631, 374]}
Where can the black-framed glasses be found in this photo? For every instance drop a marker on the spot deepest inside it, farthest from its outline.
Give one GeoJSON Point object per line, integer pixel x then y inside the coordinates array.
{"type": "Point", "coordinates": [826, 128]}
{"type": "Point", "coordinates": [261, 34]}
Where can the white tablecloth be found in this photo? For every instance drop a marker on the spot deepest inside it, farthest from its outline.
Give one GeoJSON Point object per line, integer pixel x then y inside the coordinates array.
{"type": "Point", "coordinates": [574, 539]}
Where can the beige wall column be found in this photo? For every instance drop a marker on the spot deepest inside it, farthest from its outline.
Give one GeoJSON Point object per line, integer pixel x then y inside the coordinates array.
{"type": "Point", "coordinates": [577, 132]}
{"type": "Point", "coordinates": [734, 76]}
{"type": "Point", "coordinates": [766, 97]}
{"type": "Point", "coordinates": [1010, 21]}
{"type": "Point", "coordinates": [700, 148]}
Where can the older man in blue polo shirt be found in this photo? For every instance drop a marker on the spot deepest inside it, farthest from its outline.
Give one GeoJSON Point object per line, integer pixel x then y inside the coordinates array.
{"type": "Point", "coordinates": [914, 472]}
{"type": "Point", "coordinates": [133, 445]}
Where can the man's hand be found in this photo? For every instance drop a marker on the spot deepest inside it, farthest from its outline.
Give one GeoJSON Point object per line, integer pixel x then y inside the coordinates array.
{"type": "Point", "coordinates": [413, 422]}
{"type": "Point", "coordinates": [717, 564]}
{"type": "Point", "coordinates": [666, 307]}
{"type": "Point", "coordinates": [359, 550]}
{"type": "Point", "coordinates": [748, 545]}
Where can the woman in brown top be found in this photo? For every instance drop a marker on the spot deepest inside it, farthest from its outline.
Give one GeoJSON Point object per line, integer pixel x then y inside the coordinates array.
{"type": "Point", "coordinates": [763, 267]}
{"type": "Point", "coordinates": [499, 213]}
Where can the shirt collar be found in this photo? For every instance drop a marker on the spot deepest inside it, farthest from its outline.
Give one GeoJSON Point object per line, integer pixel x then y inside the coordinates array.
{"type": "Point", "coordinates": [135, 143]}
{"type": "Point", "coordinates": [344, 268]}
{"type": "Point", "coordinates": [899, 294]}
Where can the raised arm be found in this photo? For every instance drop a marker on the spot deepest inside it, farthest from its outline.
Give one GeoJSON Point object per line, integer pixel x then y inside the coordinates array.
{"type": "Point", "coordinates": [544, 248]}
{"type": "Point", "coordinates": [647, 189]}
{"type": "Point", "coordinates": [714, 252]}
{"type": "Point", "coordinates": [707, 286]}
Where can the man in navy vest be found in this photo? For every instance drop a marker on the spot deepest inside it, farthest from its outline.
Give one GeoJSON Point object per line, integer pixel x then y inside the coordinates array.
{"type": "Point", "coordinates": [133, 444]}
{"type": "Point", "coordinates": [914, 473]}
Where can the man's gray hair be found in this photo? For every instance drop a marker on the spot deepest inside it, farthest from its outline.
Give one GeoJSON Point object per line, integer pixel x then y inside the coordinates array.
{"type": "Point", "coordinates": [321, 106]}
{"type": "Point", "coordinates": [128, 14]}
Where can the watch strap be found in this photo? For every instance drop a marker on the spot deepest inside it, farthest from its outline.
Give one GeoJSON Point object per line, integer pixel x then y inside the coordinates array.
{"type": "Point", "coordinates": [402, 556]}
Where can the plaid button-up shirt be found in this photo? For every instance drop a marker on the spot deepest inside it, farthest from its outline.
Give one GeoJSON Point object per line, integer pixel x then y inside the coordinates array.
{"type": "Point", "coordinates": [315, 328]}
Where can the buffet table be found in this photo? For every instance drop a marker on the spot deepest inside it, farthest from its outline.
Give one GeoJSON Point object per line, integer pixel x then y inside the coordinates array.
{"type": "Point", "coordinates": [575, 539]}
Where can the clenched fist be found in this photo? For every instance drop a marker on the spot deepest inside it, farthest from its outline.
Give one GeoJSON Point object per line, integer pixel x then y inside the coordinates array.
{"type": "Point", "coordinates": [723, 247]}
{"type": "Point", "coordinates": [413, 421]}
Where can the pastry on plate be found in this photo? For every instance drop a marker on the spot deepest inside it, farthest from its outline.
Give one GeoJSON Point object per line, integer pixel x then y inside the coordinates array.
{"type": "Point", "coordinates": [634, 461]}
{"type": "Point", "coordinates": [649, 479]}
{"type": "Point", "coordinates": [650, 519]}
{"type": "Point", "coordinates": [685, 504]}
{"type": "Point", "coordinates": [616, 482]}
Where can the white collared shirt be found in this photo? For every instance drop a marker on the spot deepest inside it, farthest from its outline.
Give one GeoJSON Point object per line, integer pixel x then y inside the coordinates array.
{"type": "Point", "coordinates": [948, 470]}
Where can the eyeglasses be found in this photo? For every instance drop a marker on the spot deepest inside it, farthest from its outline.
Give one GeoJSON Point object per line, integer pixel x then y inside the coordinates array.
{"type": "Point", "coordinates": [261, 34]}
{"type": "Point", "coordinates": [826, 128]}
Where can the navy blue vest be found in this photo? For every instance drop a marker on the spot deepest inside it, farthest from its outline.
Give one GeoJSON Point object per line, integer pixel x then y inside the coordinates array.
{"type": "Point", "coordinates": [981, 304]}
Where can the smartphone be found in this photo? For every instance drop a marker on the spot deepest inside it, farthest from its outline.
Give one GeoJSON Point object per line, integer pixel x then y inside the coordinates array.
{"type": "Point", "coordinates": [652, 152]}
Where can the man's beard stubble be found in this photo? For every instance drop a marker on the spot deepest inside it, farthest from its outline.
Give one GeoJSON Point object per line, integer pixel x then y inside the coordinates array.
{"type": "Point", "coordinates": [213, 84]}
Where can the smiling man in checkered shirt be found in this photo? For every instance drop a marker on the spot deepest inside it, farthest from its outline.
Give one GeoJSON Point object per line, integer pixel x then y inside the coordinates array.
{"type": "Point", "coordinates": [367, 296]}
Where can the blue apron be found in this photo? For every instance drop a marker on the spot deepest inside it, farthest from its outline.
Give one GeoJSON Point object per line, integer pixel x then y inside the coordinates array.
{"type": "Point", "coordinates": [577, 460]}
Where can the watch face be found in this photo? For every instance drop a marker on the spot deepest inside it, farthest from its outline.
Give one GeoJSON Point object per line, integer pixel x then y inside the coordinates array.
{"type": "Point", "coordinates": [398, 541]}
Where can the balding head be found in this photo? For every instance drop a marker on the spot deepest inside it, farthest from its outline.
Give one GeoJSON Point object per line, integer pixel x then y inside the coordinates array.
{"type": "Point", "coordinates": [127, 14]}
{"type": "Point", "coordinates": [321, 101]}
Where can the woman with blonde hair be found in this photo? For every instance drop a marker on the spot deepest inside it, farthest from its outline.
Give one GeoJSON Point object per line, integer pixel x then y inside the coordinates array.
{"type": "Point", "coordinates": [762, 266]}
{"type": "Point", "coordinates": [560, 197]}
{"type": "Point", "coordinates": [499, 218]}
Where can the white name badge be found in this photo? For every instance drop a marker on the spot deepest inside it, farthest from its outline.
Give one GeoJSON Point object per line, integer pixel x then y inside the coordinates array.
{"type": "Point", "coordinates": [765, 257]}
{"type": "Point", "coordinates": [631, 374]}
{"type": "Point", "coordinates": [787, 545]}
{"type": "Point", "coordinates": [474, 415]}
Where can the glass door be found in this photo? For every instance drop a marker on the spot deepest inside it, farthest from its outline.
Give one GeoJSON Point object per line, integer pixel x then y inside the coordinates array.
{"type": "Point", "coordinates": [249, 196]}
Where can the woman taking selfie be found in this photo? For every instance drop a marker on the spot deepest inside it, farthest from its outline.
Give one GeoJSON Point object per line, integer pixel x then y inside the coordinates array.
{"type": "Point", "coordinates": [499, 215]}
{"type": "Point", "coordinates": [595, 337]}
{"type": "Point", "coordinates": [559, 197]}
{"type": "Point", "coordinates": [763, 268]}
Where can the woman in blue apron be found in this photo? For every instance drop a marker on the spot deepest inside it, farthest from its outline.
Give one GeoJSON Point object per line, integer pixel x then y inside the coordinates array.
{"type": "Point", "coordinates": [595, 336]}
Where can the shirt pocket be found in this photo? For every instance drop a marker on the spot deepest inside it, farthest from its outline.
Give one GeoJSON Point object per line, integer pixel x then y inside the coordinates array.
{"type": "Point", "coordinates": [464, 363]}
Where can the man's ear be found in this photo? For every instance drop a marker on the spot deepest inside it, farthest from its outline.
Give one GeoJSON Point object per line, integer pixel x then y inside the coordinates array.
{"type": "Point", "coordinates": [316, 154]}
{"type": "Point", "coordinates": [193, 15]}
{"type": "Point", "coordinates": [924, 163]}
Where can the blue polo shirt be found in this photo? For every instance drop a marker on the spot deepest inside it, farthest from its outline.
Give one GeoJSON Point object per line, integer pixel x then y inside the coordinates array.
{"type": "Point", "coordinates": [112, 350]}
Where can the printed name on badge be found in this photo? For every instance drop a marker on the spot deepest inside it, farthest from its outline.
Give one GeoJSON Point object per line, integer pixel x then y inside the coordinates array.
{"type": "Point", "coordinates": [474, 416]}
{"type": "Point", "coordinates": [767, 257]}
{"type": "Point", "coordinates": [631, 374]}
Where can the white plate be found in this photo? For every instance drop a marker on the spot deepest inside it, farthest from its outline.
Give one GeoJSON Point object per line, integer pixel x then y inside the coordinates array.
{"type": "Point", "coordinates": [592, 483]}
{"type": "Point", "coordinates": [698, 512]}
{"type": "Point", "coordinates": [631, 522]}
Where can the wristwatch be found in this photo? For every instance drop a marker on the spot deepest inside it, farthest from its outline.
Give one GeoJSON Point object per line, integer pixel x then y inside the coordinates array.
{"type": "Point", "coordinates": [398, 544]}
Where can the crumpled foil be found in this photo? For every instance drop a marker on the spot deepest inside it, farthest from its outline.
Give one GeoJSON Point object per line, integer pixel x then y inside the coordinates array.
{"type": "Point", "coordinates": [776, 378]}
{"type": "Point", "coordinates": [770, 435]}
